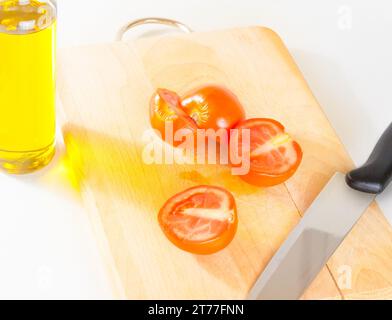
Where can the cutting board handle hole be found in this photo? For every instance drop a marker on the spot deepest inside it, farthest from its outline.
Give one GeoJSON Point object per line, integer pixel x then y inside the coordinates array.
{"type": "Point", "coordinates": [157, 21]}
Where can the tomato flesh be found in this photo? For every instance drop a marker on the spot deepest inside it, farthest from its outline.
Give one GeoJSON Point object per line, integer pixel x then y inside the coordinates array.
{"type": "Point", "coordinates": [200, 220]}
{"type": "Point", "coordinates": [274, 156]}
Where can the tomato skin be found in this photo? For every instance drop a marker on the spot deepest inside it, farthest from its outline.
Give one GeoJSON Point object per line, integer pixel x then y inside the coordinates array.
{"type": "Point", "coordinates": [264, 176]}
{"type": "Point", "coordinates": [208, 107]}
{"type": "Point", "coordinates": [213, 107]}
{"type": "Point", "coordinates": [165, 109]}
{"type": "Point", "coordinates": [207, 247]}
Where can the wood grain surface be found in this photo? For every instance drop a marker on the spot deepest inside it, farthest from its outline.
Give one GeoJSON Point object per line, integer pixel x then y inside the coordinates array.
{"type": "Point", "coordinates": [105, 92]}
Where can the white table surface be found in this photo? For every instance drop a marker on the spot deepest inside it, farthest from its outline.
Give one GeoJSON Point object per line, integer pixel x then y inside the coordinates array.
{"type": "Point", "coordinates": [47, 248]}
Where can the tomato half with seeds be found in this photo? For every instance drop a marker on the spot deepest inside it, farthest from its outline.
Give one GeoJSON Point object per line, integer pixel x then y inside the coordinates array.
{"type": "Point", "coordinates": [200, 220]}
{"type": "Point", "coordinates": [213, 107]}
{"type": "Point", "coordinates": [168, 117]}
{"type": "Point", "coordinates": [272, 153]}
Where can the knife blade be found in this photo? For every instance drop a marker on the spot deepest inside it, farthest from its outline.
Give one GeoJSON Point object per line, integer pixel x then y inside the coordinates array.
{"type": "Point", "coordinates": [325, 225]}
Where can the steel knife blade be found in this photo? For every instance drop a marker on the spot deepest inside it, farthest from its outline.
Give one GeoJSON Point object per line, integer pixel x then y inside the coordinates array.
{"type": "Point", "coordinates": [325, 225]}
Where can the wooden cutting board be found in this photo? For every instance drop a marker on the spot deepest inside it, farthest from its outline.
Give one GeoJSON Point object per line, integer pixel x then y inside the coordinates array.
{"type": "Point", "coordinates": [105, 92]}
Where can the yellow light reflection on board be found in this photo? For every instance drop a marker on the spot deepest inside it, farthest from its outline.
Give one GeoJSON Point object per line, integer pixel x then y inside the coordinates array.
{"type": "Point", "coordinates": [114, 168]}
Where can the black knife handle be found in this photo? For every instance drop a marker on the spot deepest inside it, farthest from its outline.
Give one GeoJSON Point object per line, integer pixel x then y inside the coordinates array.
{"type": "Point", "coordinates": [375, 175]}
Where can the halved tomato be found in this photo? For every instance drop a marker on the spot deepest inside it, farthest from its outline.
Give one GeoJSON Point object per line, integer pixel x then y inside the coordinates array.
{"type": "Point", "coordinates": [273, 155]}
{"type": "Point", "coordinates": [200, 220]}
{"type": "Point", "coordinates": [168, 117]}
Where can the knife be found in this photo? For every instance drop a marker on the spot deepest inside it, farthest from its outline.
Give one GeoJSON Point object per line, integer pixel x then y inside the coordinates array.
{"type": "Point", "coordinates": [324, 226]}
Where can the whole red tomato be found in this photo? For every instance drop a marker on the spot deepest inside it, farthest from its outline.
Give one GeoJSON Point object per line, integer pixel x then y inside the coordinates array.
{"type": "Point", "coordinates": [213, 107]}
{"type": "Point", "coordinates": [208, 107]}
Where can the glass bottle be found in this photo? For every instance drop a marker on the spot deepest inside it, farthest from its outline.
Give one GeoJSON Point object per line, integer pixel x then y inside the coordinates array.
{"type": "Point", "coordinates": [27, 84]}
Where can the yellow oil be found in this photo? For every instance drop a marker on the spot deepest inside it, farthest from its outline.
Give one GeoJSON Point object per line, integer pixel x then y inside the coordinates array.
{"type": "Point", "coordinates": [27, 84]}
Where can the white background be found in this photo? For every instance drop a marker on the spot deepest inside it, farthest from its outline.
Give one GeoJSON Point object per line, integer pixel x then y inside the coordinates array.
{"type": "Point", "coordinates": [344, 48]}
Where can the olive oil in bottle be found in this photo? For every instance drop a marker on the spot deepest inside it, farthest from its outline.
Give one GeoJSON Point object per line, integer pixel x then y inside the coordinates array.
{"type": "Point", "coordinates": [27, 84]}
